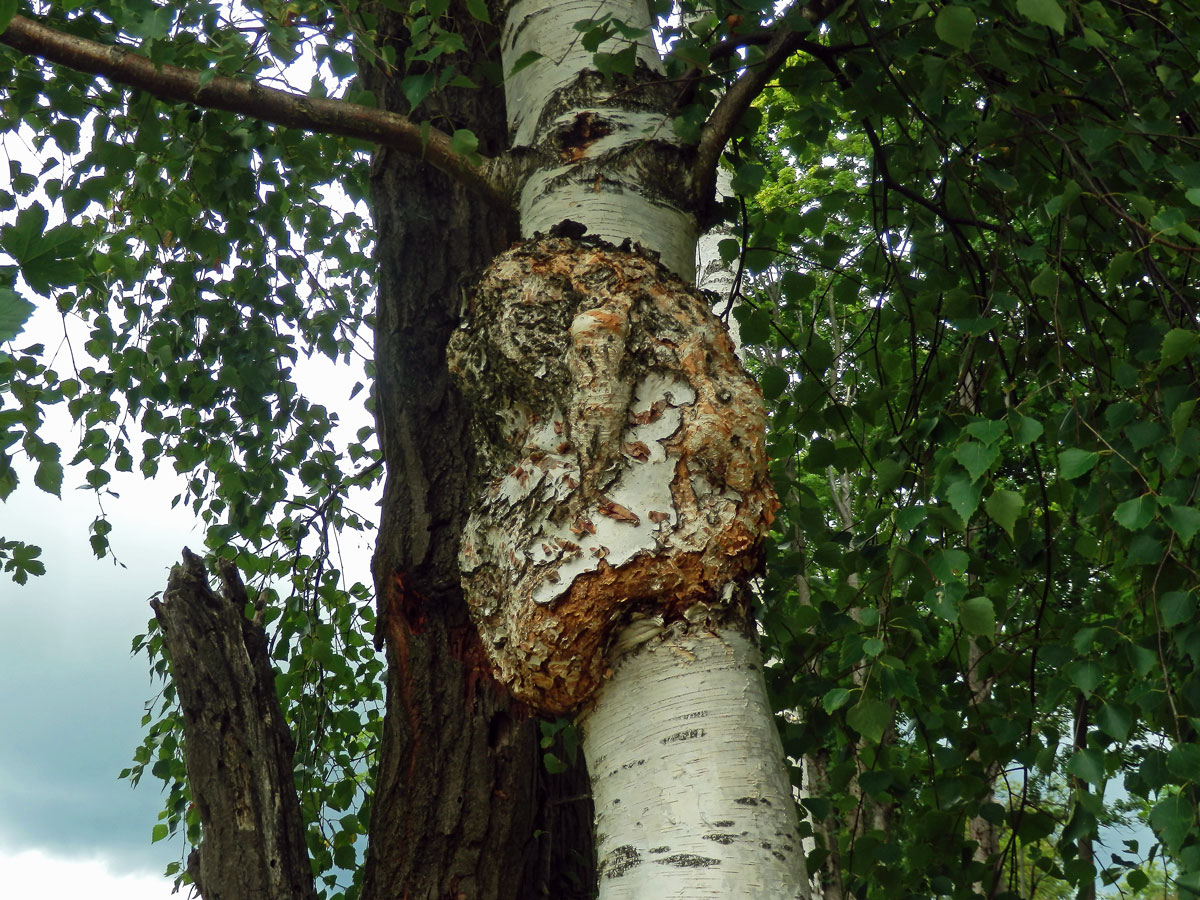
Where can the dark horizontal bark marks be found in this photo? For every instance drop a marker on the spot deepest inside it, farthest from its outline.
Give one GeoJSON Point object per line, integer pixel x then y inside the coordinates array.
{"type": "Point", "coordinates": [644, 91]}
{"type": "Point", "coordinates": [239, 751]}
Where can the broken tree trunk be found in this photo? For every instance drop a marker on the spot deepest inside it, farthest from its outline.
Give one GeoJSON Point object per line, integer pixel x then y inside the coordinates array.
{"type": "Point", "coordinates": [239, 749]}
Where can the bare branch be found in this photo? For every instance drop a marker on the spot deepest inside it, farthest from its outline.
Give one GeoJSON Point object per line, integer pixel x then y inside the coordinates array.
{"type": "Point", "coordinates": [122, 65]}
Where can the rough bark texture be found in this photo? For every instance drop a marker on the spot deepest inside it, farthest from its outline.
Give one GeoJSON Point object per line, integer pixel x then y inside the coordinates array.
{"type": "Point", "coordinates": [623, 467]}
{"type": "Point", "coordinates": [458, 795]}
{"type": "Point", "coordinates": [239, 749]}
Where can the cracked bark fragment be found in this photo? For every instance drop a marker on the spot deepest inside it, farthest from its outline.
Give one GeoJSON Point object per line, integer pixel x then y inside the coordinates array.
{"type": "Point", "coordinates": [621, 463]}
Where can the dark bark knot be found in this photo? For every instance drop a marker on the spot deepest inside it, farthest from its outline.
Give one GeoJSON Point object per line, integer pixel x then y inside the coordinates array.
{"type": "Point", "coordinates": [621, 462]}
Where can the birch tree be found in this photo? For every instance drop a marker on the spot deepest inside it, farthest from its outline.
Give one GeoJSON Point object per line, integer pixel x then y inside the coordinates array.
{"type": "Point", "coordinates": [580, 481]}
{"type": "Point", "coordinates": [616, 482]}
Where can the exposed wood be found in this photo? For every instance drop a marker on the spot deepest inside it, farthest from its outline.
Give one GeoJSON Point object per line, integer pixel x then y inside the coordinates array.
{"type": "Point", "coordinates": [622, 466]}
{"type": "Point", "coordinates": [238, 748]}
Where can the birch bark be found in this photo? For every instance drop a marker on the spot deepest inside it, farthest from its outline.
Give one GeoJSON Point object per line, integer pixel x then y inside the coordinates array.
{"type": "Point", "coordinates": [621, 493]}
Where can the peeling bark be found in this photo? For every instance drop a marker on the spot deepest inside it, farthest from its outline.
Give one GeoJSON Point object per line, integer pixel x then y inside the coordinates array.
{"type": "Point", "coordinates": [622, 469]}
{"type": "Point", "coordinates": [238, 748]}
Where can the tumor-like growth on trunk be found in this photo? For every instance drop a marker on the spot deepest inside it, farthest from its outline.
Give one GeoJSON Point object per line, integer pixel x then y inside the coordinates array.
{"type": "Point", "coordinates": [621, 461]}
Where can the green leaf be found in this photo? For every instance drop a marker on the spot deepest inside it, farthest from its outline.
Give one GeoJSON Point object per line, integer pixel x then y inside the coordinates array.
{"type": "Point", "coordinates": [836, 699]}
{"type": "Point", "coordinates": [1137, 879]}
{"type": "Point", "coordinates": [1184, 762]}
{"type": "Point", "coordinates": [978, 616]}
{"type": "Point", "coordinates": [955, 25]}
{"type": "Point", "coordinates": [416, 87]}
{"type": "Point", "coordinates": [1181, 418]}
{"type": "Point", "coordinates": [963, 496]}
{"type": "Point", "coordinates": [988, 431]}
{"type": "Point", "coordinates": [48, 258]}
{"type": "Point", "coordinates": [976, 458]}
{"type": "Point", "coordinates": [1025, 429]}
{"type": "Point", "coordinates": [8, 9]}
{"type": "Point", "coordinates": [1073, 463]}
{"type": "Point", "coordinates": [1085, 675]}
{"type": "Point", "coordinates": [1172, 818]}
{"type": "Point", "coordinates": [1043, 12]}
{"type": "Point", "coordinates": [1177, 343]}
{"type": "Point", "coordinates": [1045, 283]}
{"type": "Point", "coordinates": [524, 60]}
{"type": "Point", "coordinates": [1137, 513]}
{"type": "Point", "coordinates": [1176, 607]}
{"type": "Point", "coordinates": [1184, 521]}
{"type": "Point", "coordinates": [748, 179]}
{"type": "Point", "coordinates": [465, 143]}
{"type": "Point", "coordinates": [158, 833]}
{"type": "Point", "coordinates": [773, 381]}
{"type": "Point", "coordinates": [23, 561]}
{"type": "Point", "coordinates": [49, 475]}
{"type": "Point", "coordinates": [1116, 720]}
{"type": "Point", "coordinates": [1087, 765]}
{"type": "Point", "coordinates": [478, 9]}
{"type": "Point", "coordinates": [14, 313]}
{"type": "Point", "coordinates": [870, 718]}
{"type": "Point", "coordinates": [949, 564]}
{"type": "Point", "coordinates": [1003, 507]}
{"type": "Point", "coordinates": [1120, 264]}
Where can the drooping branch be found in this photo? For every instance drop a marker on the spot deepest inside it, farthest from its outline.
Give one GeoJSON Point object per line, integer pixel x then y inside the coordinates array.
{"type": "Point", "coordinates": [122, 65]}
{"type": "Point", "coordinates": [237, 745]}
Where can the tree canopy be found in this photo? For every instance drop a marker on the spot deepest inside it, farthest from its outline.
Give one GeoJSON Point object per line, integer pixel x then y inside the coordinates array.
{"type": "Point", "coordinates": [965, 238]}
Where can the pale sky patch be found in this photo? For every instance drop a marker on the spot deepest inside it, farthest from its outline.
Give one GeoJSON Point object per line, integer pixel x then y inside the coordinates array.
{"type": "Point", "coordinates": [33, 873]}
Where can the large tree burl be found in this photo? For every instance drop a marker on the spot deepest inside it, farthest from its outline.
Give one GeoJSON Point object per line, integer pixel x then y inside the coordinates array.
{"type": "Point", "coordinates": [620, 465]}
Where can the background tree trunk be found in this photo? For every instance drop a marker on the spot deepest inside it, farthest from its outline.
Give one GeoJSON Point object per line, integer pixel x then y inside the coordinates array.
{"type": "Point", "coordinates": [460, 790]}
{"type": "Point", "coordinates": [239, 748]}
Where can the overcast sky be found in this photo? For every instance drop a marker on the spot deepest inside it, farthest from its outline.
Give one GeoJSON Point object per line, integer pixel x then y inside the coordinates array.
{"type": "Point", "coordinates": [71, 695]}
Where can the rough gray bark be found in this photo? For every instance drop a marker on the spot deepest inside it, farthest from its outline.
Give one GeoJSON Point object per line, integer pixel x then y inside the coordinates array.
{"type": "Point", "coordinates": [460, 806]}
{"type": "Point", "coordinates": [238, 747]}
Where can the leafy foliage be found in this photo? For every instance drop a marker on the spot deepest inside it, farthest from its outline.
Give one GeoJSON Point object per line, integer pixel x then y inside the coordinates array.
{"type": "Point", "coordinates": [974, 294]}
{"type": "Point", "coordinates": [205, 262]}
{"type": "Point", "coordinates": [968, 277]}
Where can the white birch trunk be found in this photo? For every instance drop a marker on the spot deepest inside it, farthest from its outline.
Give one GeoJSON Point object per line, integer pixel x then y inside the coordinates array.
{"type": "Point", "coordinates": [691, 800]}
{"type": "Point", "coordinates": [605, 158]}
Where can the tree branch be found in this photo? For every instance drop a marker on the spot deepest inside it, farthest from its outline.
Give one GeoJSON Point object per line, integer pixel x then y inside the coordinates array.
{"type": "Point", "coordinates": [122, 65]}
{"type": "Point", "coordinates": [729, 110]}
{"type": "Point", "coordinates": [238, 749]}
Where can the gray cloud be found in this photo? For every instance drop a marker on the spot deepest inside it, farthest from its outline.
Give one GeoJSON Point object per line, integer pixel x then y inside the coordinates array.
{"type": "Point", "coordinates": [71, 695]}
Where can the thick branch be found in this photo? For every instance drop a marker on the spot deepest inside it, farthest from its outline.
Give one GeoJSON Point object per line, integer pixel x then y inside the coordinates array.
{"type": "Point", "coordinates": [238, 748]}
{"type": "Point", "coordinates": [733, 105]}
{"type": "Point", "coordinates": [123, 66]}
